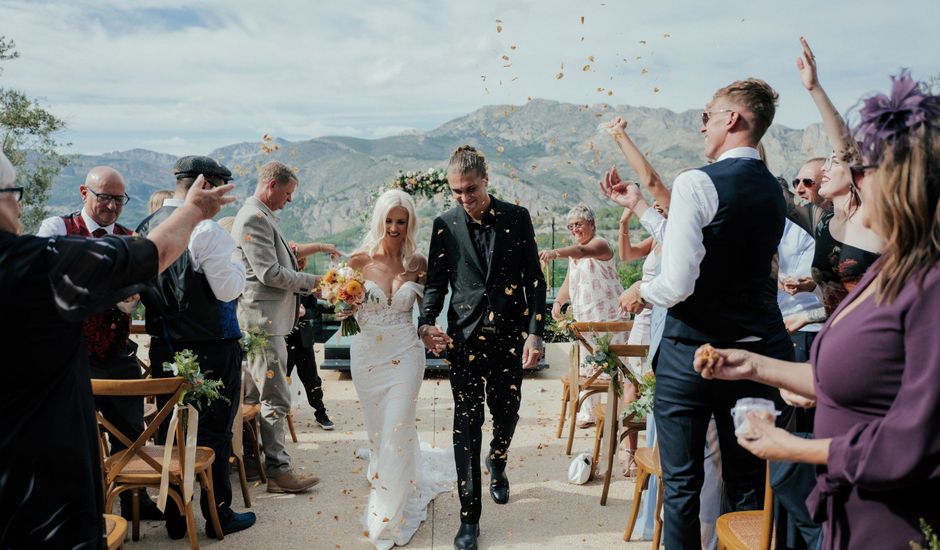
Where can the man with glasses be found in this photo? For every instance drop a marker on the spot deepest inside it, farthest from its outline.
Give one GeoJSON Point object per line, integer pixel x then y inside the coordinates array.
{"type": "Point", "coordinates": [192, 306]}
{"type": "Point", "coordinates": [725, 222]}
{"type": "Point", "coordinates": [111, 353]}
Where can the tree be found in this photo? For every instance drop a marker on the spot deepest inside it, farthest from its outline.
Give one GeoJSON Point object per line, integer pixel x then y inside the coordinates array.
{"type": "Point", "coordinates": [28, 140]}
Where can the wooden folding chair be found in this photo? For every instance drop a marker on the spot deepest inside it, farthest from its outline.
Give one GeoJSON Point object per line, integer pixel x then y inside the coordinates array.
{"type": "Point", "coordinates": [141, 465]}
{"type": "Point", "coordinates": [629, 424]}
{"type": "Point", "coordinates": [751, 530]}
{"type": "Point", "coordinates": [571, 399]}
{"type": "Point", "coordinates": [647, 464]}
{"type": "Point", "coordinates": [250, 413]}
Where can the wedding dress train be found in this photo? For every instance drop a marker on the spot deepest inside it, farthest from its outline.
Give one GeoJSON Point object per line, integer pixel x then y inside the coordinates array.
{"type": "Point", "coordinates": [387, 367]}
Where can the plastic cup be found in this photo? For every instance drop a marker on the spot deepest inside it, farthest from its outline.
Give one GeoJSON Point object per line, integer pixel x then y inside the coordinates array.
{"type": "Point", "coordinates": [764, 408]}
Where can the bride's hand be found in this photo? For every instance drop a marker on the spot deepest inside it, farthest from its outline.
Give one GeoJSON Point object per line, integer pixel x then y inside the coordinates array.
{"type": "Point", "coordinates": [346, 313]}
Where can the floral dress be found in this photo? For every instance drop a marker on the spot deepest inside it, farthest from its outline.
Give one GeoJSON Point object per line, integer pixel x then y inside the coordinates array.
{"type": "Point", "coordinates": [837, 267]}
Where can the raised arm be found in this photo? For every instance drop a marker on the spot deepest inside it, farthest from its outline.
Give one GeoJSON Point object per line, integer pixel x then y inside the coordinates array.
{"type": "Point", "coordinates": [596, 248]}
{"type": "Point", "coordinates": [629, 252]}
{"type": "Point", "coordinates": [645, 173]}
{"type": "Point", "coordinates": [836, 129]}
{"type": "Point", "coordinates": [259, 247]}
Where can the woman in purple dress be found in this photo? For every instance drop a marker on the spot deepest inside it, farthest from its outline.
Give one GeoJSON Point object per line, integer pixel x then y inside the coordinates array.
{"type": "Point", "coordinates": [875, 368]}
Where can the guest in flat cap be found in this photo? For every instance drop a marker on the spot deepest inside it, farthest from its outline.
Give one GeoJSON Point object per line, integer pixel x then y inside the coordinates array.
{"type": "Point", "coordinates": [192, 306]}
{"type": "Point", "coordinates": [111, 353]}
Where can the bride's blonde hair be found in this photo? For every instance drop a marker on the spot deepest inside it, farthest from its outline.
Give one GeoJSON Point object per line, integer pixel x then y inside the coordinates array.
{"type": "Point", "coordinates": [372, 242]}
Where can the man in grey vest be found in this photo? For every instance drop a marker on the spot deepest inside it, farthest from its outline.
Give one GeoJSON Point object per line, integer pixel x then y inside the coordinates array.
{"type": "Point", "coordinates": [271, 304]}
{"type": "Point", "coordinates": [719, 285]}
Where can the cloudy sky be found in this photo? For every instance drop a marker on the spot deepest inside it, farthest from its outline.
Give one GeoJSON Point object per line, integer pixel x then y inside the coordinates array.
{"type": "Point", "coordinates": [186, 77]}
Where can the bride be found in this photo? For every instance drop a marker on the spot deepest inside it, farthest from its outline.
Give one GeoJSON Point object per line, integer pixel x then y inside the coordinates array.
{"type": "Point", "coordinates": [387, 367]}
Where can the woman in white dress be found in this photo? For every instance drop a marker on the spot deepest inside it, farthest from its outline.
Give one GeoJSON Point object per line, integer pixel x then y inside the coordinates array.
{"type": "Point", "coordinates": [387, 364]}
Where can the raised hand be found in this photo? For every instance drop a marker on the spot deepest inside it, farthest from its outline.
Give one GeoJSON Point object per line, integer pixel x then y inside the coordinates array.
{"type": "Point", "coordinates": [616, 127]}
{"type": "Point", "coordinates": [724, 364]}
{"type": "Point", "coordinates": [626, 194]}
{"type": "Point", "coordinates": [209, 200]}
{"type": "Point", "coordinates": [548, 255]}
{"type": "Point", "coordinates": [806, 64]}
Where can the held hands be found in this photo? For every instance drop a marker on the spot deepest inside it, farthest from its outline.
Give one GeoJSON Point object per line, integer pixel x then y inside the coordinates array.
{"type": "Point", "coordinates": [532, 351]}
{"type": "Point", "coordinates": [435, 339]}
{"type": "Point", "coordinates": [723, 364]}
{"type": "Point", "coordinates": [209, 200]}
{"type": "Point", "coordinates": [806, 64]}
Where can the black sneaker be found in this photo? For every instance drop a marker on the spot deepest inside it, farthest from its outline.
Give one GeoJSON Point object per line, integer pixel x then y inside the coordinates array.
{"type": "Point", "coordinates": [323, 420]}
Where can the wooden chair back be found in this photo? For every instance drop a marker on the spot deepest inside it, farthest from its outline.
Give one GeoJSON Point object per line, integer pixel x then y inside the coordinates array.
{"type": "Point", "coordinates": [136, 388]}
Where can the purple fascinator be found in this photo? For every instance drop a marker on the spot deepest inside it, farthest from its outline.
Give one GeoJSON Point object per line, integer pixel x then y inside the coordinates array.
{"type": "Point", "coordinates": [891, 121]}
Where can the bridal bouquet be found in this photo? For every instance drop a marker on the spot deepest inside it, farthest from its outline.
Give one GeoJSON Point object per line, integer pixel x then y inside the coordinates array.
{"type": "Point", "coordinates": [344, 287]}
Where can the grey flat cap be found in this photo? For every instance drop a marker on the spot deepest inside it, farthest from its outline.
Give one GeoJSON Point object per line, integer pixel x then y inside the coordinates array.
{"type": "Point", "coordinates": [193, 165]}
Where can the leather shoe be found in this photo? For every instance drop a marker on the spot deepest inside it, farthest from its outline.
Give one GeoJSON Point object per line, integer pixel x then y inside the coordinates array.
{"type": "Point", "coordinates": [499, 483]}
{"type": "Point", "coordinates": [466, 538]}
{"type": "Point", "coordinates": [232, 522]}
{"type": "Point", "coordinates": [291, 483]}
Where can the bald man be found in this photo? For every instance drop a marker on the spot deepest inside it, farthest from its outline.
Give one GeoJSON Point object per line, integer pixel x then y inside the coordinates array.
{"type": "Point", "coordinates": [111, 353]}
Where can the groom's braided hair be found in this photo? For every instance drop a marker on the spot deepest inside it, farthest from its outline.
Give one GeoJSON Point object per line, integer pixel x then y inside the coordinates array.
{"type": "Point", "coordinates": [466, 160]}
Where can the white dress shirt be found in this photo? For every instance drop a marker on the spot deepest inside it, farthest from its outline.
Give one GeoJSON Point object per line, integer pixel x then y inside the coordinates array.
{"type": "Point", "coordinates": [210, 249]}
{"type": "Point", "coordinates": [654, 223]}
{"type": "Point", "coordinates": [55, 226]}
{"type": "Point", "coordinates": [693, 205]}
{"type": "Point", "coordinates": [795, 254]}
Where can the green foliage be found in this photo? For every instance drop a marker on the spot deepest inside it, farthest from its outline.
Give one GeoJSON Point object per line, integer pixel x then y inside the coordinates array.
{"type": "Point", "coordinates": [201, 391]}
{"type": "Point", "coordinates": [643, 406]}
{"type": "Point", "coordinates": [630, 272]}
{"type": "Point", "coordinates": [559, 330]}
{"type": "Point", "coordinates": [930, 537]}
{"type": "Point", "coordinates": [607, 361]}
{"type": "Point", "coordinates": [254, 341]}
{"type": "Point", "coordinates": [29, 142]}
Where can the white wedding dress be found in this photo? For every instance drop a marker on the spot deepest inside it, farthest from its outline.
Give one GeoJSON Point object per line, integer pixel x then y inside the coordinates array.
{"type": "Point", "coordinates": [387, 366]}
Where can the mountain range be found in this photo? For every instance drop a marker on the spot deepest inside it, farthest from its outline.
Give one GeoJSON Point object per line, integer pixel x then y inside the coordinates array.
{"type": "Point", "coordinates": [545, 155]}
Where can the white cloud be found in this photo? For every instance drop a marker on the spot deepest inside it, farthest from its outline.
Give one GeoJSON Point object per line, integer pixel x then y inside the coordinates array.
{"type": "Point", "coordinates": [143, 73]}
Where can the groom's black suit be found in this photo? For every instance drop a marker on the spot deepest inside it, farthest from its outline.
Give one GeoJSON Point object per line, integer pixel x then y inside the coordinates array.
{"type": "Point", "coordinates": [497, 298]}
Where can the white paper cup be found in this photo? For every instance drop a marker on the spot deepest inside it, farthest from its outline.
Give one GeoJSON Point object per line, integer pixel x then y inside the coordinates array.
{"type": "Point", "coordinates": [763, 407]}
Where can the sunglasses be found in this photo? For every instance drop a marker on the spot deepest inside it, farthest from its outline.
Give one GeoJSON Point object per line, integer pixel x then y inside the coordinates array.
{"type": "Point", "coordinates": [16, 191]}
{"type": "Point", "coordinates": [707, 115]}
{"type": "Point", "coordinates": [807, 182]}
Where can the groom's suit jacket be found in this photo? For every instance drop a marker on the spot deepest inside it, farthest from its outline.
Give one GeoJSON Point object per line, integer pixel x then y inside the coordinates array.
{"type": "Point", "coordinates": [273, 283]}
{"type": "Point", "coordinates": [512, 288]}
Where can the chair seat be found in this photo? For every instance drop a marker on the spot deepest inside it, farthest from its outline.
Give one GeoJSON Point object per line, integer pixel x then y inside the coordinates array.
{"type": "Point", "coordinates": [630, 423]}
{"type": "Point", "coordinates": [115, 529]}
{"type": "Point", "coordinates": [138, 471]}
{"type": "Point", "coordinates": [250, 411]}
{"type": "Point", "coordinates": [648, 459]}
{"type": "Point", "coordinates": [740, 530]}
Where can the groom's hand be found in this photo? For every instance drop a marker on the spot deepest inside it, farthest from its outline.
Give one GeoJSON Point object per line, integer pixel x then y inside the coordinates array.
{"type": "Point", "coordinates": [532, 351]}
{"type": "Point", "coordinates": [434, 338]}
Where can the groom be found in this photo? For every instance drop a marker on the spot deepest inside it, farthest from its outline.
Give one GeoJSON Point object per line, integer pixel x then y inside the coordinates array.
{"type": "Point", "coordinates": [485, 250]}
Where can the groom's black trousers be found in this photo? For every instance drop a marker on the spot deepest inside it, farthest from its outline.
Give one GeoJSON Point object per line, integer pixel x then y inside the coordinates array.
{"type": "Point", "coordinates": [487, 367]}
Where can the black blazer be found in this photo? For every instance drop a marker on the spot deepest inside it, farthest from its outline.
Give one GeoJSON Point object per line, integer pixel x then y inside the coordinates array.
{"type": "Point", "coordinates": [513, 287]}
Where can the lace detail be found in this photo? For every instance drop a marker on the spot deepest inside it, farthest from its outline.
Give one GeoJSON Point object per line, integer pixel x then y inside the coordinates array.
{"type": "Point", "coordinates": [379, 312]}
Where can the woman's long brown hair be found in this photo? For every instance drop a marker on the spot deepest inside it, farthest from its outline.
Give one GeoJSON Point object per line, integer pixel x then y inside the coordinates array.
{"type": "Point", "coordinates": [907, 213]}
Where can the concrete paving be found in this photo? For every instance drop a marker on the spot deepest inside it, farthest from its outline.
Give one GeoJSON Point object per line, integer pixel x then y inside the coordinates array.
{"type": "Point", "coordinates": [545, 511]}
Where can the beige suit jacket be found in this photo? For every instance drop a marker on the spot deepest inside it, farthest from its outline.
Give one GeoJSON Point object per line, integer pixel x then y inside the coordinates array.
{"type": "Point", "coordinates": [272, 291]}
